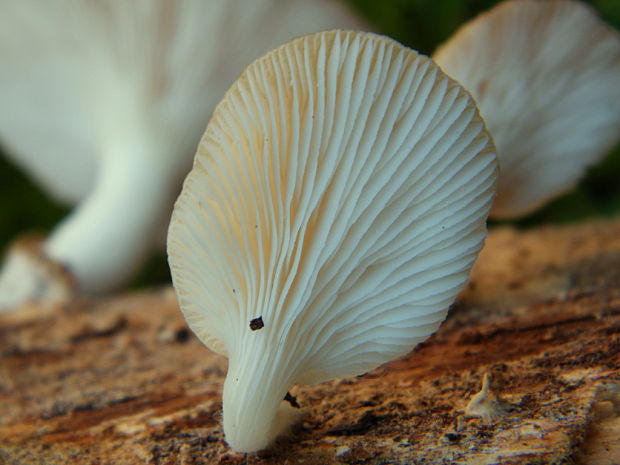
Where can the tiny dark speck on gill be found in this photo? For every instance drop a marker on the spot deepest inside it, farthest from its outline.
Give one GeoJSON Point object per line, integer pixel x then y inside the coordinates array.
{"type": "Point", "coordinates": [257, 323]}
{"type": "Point", "coordinates": [291, 399]}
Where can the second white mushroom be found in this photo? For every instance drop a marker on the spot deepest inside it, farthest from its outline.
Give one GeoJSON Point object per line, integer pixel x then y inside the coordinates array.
{"type": "Point", "coordinates": [546, 75]}
{"type": "Point", "coordinates": [103, 103]}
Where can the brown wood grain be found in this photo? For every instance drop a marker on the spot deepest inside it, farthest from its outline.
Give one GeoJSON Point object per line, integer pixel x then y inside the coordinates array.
{"type": "Point", "coordinates": [123, 381]}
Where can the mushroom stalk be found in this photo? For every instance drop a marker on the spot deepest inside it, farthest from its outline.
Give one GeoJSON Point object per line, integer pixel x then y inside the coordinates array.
{"type": "Point", "coordinates": [254, 411]}
{"type": "Point", "coordinates": [103, 240]}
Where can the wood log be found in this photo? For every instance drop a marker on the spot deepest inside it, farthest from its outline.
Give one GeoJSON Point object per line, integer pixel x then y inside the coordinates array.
{"type": "Point", "coordinates": [123, 381]}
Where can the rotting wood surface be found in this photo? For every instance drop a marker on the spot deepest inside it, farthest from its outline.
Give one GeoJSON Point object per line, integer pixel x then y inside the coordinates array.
{"type": "Point", "coordinates": [122, 381]}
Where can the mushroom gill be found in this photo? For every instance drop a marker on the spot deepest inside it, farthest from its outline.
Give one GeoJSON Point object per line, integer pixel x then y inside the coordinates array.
{"type": "Point", "coordinates": [337, 202]}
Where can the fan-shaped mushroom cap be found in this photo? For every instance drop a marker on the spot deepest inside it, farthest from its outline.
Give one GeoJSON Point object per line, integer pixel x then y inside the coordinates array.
{"type": "Point", "coordinates": [546, 76]}
{"type": "Point", "coordinates": [339, 194]}
{"type": "Point", "coordinates": [103, 102]}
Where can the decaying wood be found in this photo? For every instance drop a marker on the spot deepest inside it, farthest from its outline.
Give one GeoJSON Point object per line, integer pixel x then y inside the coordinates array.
{"type": "Point", "coordinates": [123, 381]}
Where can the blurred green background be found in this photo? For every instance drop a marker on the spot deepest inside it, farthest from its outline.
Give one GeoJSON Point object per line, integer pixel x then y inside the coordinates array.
{"type": "Point", "coordinates": [420, 24]}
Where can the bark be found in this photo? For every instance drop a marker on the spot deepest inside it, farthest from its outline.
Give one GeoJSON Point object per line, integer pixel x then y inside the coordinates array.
{"type": "Point", "coordinates": [123, 381]}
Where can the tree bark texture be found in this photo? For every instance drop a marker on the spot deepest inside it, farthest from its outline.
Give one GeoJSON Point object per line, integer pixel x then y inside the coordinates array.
{"type": "Point", "coordinates": [123, 381]}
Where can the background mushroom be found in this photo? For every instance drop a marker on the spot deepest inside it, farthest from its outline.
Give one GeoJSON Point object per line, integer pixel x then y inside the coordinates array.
{"type": "Point", "coordinates": [103, 102]}
{"type": "Point", "coordinates": [337, 202]}
{"type": "Point", "coordinates": [545, 75]}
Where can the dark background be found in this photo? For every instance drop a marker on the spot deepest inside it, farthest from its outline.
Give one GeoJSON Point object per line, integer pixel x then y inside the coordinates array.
{"type": "Point", "coordinates": [420, 24]}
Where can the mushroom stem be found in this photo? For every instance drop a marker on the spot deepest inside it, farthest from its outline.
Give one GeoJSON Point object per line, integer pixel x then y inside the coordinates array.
{"type": "Point", "coordinates": [104, 238]}
{"type": "Point", "coordinates": [254, 410]}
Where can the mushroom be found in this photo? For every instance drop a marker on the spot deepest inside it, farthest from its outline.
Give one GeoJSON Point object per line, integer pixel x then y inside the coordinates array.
{"type": "Point", "coordinates": [337, 202]}
{"type": "Point", "coordinates": [103, 103]}
{"type": "Point", "coordinates": [545, 75]}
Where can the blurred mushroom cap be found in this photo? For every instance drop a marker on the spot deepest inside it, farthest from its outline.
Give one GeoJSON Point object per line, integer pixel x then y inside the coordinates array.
{"type": "Point", "coordinates": [79, 76]}
{"type": "Point", "coordinates": [103, 103]}
{"type": "Point", "coordinates": [546, 76]}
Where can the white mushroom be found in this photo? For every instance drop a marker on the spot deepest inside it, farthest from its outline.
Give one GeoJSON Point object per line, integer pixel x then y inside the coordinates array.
{"type": "Point", "coordinates": [546, 75]}
{"type": "Point", "coordinates": [337, 202]}
{"type": "Point", "coordinates": [103, 103]}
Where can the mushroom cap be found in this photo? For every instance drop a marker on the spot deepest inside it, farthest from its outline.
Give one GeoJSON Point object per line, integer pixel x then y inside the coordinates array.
{"type": "Point", "coordinates": [43, 128]}
{"type": "Point", "coordinates": [340, 193]}
{"type": "Point", "coordinates": [546, 78]}
{"type": "Point", "coordinates": [79, 76]}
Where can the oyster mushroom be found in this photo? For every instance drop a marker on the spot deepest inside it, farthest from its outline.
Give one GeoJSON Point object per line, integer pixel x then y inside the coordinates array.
{"type": "Point", "coordinates": [103, 103]}
{"type": "Point", "coordinates": [545, 75]}
{"type": "Point", "coordinates": [337, 202]}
